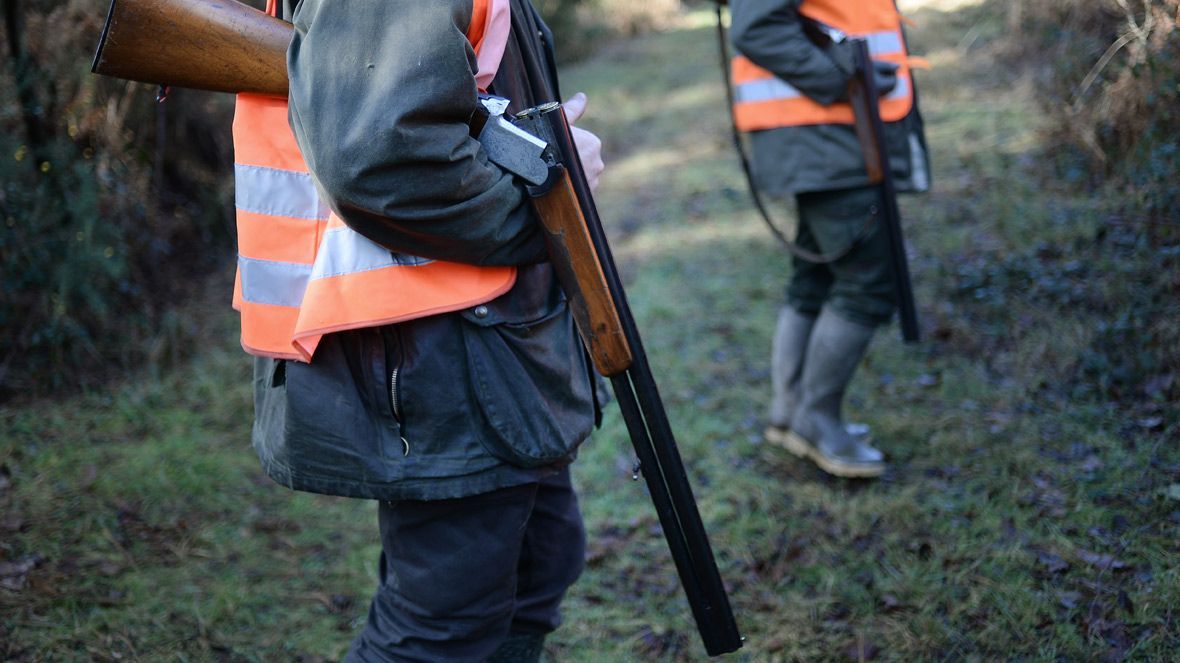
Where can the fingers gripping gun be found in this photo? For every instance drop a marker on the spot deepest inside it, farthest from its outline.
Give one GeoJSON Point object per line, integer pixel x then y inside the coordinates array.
{"type": "Point", "coordinates": [222, 45]}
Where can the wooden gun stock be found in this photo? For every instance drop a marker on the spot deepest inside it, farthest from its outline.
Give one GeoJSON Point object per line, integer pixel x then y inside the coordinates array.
{"type": "Point", "coordinates": [218, 45]}
{"type": "Point", "coordinates": [578, 269]}
{"type": "Point", "coordinates": [866, 133]}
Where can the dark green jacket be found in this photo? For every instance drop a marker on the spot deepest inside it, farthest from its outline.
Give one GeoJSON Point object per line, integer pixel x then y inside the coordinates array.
{"type": "Point", "coordinates": [790, 160]}
{"type": "Point", "coordinates": [449, 405]}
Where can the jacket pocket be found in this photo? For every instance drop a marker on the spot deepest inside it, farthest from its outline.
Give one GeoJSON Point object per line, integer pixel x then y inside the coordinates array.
{"type": "Point", "coordinates": [531, 380]}
{"type": "Point", "coordinates": [393, 372]}
{"type": "Point", "coordinates": [333, 431]}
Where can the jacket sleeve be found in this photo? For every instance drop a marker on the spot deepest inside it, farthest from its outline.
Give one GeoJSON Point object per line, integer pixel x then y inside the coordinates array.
{"type": "Point", "coordinates": [380, 97]}
{"type": "Point", "coordinates": [770, 34]}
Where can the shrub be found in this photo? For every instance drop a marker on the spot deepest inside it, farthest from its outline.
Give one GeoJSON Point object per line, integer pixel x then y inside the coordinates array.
{"type": "Point", "coordinates": [582, 26]}
{"type": "Point", "coordinates": [1110, 81]}
{"type": "Point", "coordinates": [112, 206]}
{"type": "Point", "coordinates": [1113, 87]}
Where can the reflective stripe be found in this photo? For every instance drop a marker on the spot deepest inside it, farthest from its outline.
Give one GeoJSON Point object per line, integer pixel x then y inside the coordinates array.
{"type": "Point", "coordinates": [276, 283]}
{"type": "Point", "coordinates": [345, 251]}
{"type": "Point", "coordinates": [764, 90]}
{"type": "Point", "coordinates": [277, 192]}
{"type": "Point", "coordinates": [901, 90]}
{"type": "Point", "coordinates": [302, 273]}
{"type": "Point", "coordinates": [773, 89]}
{"type": "Point", "coordinates": [884, 43]}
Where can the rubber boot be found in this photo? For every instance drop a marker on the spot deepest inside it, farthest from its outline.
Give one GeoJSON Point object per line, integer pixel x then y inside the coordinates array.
{"type": "Point", "coordinates": [818, 431]}
{"type": "Point", "coordinates": [787, 354]}
{"type": "Point", "coordinates": [786, 367]}
{"type": "Point", "coordinates": [519, 647]}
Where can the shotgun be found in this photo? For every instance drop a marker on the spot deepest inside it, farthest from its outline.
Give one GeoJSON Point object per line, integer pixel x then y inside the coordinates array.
{"type": "Point", "coordinates": [865, 99]}
{"type": "Point", "coordinates": [870, 133]}
{"type": "Point", "coordinates": [224, 46]}
{"type": "Point", "coordinates": [567, 211]}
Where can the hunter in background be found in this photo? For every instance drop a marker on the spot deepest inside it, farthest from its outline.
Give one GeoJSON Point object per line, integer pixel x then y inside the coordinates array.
{"type": "Point", "coordinates": [791, 95]}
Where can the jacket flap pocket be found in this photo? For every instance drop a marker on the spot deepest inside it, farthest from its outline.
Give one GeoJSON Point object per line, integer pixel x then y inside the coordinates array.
{"type": "Point", "coordinates": [533, 299]}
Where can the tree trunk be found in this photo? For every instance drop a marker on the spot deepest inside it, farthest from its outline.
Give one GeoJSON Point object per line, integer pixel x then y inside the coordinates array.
{"type": "Point", "coordinates": [25, 74]}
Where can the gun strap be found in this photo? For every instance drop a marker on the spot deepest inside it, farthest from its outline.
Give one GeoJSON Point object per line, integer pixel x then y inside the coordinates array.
{"type": "Point", "coordinates": [755, 193]}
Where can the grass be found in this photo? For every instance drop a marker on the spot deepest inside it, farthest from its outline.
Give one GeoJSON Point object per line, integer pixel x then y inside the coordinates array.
{"type": "Point", "coordinates": [1031, 509]}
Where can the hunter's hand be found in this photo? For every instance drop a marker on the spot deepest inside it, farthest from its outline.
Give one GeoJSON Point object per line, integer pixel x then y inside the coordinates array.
{"type": "Point", "coordinates": [885, 76]}
{"type": "Point", "coordinates": [589, 146]}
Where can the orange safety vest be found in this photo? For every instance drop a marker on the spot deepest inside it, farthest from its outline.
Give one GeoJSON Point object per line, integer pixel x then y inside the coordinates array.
{"type": "Point", "coordinates": [302, 272]}
{"type": "Point", "coordinates": [764, 101]}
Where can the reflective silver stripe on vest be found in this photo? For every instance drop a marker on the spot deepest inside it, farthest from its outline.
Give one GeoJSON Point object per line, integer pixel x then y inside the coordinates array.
{"type": "Point", "coordinates": [270, 282]}
{"type": "Point", "coordinates": [901, 90]}
{"type": "Point", "coordinates": [886, 42]}
{"type": "Point", "coordinates": [345, 251]}
{"type": "Point", "coordinates": [776, 89]}
{"type": "Point", "coordinates": [276, 192]}
{"type": "Point", "coordinates": [765, 89]}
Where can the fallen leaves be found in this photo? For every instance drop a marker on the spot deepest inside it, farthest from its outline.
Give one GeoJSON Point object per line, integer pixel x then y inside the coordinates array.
{"type": "Point", "coordinates": [662, 644]}
{"type": "Point", "coordinates": [1151, 423]}
{"type": "Point", "coordinates": [1051, 562]}
{"type": "Point", "coordinates": [890, 603]}
{"type": "Point", "coordinates": [1100, 561]}
{"type": "Point", "coordinates": [1091, 464]}
{"type": "Point", "coordinates": [12, 522]}
{"type": "Point", "coordinates": [1049, 500]}
{"type": "Point", "coordinates": [1069, 599]}
{"type": "Point", "coordinates": [928, 380]}
{"type": "Point", "coordinates": [1055, 563]}
{"type": "Point", "coordinates": [337, 604]}
{"type": "Point", "coordinates": [14, 575]}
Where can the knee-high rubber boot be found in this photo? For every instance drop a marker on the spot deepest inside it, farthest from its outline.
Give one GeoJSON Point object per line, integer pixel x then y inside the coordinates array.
{"type": "Point", "coordinates": [787, 351]}
{"type": "Point", "coordinates": [818, 431]}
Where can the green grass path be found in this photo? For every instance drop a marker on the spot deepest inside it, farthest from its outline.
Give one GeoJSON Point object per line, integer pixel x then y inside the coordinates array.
{"type": "Point", "coordinates": [1031, 509]}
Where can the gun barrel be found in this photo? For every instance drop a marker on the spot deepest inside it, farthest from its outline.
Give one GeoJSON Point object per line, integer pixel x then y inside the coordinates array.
{"type": "Point", "coordinates": [219, 45]}
{"type": "Point", "coordinates": [871, 132]}
{"type": "Point", "coordinates": [651, 435]}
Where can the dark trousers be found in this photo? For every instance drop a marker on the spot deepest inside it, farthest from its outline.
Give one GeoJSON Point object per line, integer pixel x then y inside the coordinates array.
{"type": "Point", "coordinates": [457, 575]}
{"type": "Point", "coordinates": [859, 285]}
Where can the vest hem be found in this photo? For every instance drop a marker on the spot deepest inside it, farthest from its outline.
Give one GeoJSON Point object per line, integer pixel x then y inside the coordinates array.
{"type": "Point", "coordinates": [500, 476]}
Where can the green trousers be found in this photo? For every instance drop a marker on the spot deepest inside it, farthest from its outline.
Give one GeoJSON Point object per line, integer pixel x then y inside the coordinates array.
{"type": "Point", "coordinates": [859, 284]}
